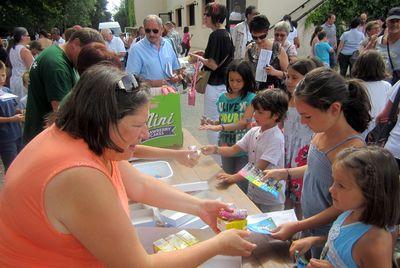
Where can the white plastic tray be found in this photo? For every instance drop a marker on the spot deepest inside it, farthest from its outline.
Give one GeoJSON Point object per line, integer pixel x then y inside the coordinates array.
{"type": "Point", "coordinates": [159, 169]}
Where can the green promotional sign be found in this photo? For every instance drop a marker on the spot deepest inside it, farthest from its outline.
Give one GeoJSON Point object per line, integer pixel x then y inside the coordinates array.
{"type": "Point", "coordinates": [165, 123]}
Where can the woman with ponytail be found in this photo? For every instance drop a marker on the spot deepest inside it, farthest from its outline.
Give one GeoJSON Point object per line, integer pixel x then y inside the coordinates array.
{"type": "Point", "coordinates": [337, 111]}
{"type": "Point", "coordinates": [21, 60]}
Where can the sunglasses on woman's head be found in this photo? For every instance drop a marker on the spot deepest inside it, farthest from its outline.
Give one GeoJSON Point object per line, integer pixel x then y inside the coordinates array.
{"type": "Point", "coordinates": [261, 37]}
{"type": "Point", "coordinates": [152, 30]}
{"type": "Point", "coordinates": [128, 83]}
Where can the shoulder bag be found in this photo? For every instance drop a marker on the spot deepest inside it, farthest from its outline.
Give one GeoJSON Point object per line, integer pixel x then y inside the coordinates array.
{"type": "Point", "coordinates": [381, 132]}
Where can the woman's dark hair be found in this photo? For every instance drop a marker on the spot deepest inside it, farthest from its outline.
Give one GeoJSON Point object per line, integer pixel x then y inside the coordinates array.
{"type": "Point", "coordinates": [287, 18]}
{"type": "Point", "coordinates": [321, 87]}
{"type": "Point", "coordinates": [186, 29]}
{"type": "Point", "coordinates": [18, 33]}
{"type": "Point", "coordinates": [44, 33]}
{"type": "Point", "coordinates": [258, 24]}
{"type": "Point", "coordinates": [249, 10]}
{"type": "Point", "coordinates": [355, 23]}
{"type": "Point", "coordinates": [303, 66]}
{"type": "Point", "coordinates": [376, 173]}
{"type": "Point", "coordinates": [369, 66]}
{"type": "Point", "coordinates": [321, 35]}
{"type": "Point", "coordinates": [329, 15]}
{"type": "Point", "coordinates": [94, 53]}
{"type": "Point", "coordinates": [317, 62]}
{"type": "Point", "coordinates": [315, 33]}
{"type": "Point", "coordinates": [274, 100]}
{"type": "Point", "coordinates": [97, 104]}
{"type": "Point", "coordinates": [243, 68]}
{"type": "Point", "coordinates": [216, 11]}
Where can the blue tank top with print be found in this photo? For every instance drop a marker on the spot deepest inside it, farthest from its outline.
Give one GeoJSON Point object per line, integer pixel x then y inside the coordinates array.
{"type": "Point", "coordinates": [341, 240]}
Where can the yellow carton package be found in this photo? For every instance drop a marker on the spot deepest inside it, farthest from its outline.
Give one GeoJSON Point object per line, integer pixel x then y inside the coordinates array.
{"type": "Point", "coordinates": [176, 242]}
{"type": "Point", "coordinates": [187, 237]}
{"type": "Point", "coordinates": [223, 225]}
{"type": "Point", "coordinates": [180, 240]}
{"type": "Point", "coordinates": [162, 245]}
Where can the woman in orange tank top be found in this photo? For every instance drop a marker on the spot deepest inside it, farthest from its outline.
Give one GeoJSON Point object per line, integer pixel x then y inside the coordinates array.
{"type": "Point", "coordinates": [65, 198]}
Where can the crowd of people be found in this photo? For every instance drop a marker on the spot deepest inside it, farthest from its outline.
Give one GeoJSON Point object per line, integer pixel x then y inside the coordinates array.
{"type": "Point", "coordinates": [80, 113]}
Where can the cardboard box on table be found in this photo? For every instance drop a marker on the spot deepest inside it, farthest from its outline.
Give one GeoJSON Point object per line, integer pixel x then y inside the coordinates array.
{"type": "Point", "coordinates": [147, 235]}
{"type": "Point", "coordinates": [165, 123]}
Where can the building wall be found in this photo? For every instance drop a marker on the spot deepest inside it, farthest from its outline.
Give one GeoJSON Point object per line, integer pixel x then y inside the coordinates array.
{"type": "Point", "coordinates": [147, 7]}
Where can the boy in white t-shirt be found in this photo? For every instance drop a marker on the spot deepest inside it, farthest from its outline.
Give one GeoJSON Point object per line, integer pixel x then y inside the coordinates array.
{"type": "Point", "coordinates": [264, 145]}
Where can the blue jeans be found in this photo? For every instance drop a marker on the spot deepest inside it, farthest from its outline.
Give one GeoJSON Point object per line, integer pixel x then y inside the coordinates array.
{"type": "Point", "coordinates": [9, 150]}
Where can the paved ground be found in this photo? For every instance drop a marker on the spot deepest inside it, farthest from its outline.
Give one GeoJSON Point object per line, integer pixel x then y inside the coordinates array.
{"type": "Point", "coordinates": [191, 117]}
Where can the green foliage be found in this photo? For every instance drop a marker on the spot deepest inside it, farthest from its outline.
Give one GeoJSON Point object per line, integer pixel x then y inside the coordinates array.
{"type": "Point", "coordinates": [347, 10]}
{"type": "Point", "coordinates": [79, 12]}
{"type": "Point", "coordinates": [45, 14]}
{"type": "Point", "coordinates": [130, 8]}
{"type": "Point", "coordinates": [100, 13]}
{"type": "Point", "coordinates": [122, 16]}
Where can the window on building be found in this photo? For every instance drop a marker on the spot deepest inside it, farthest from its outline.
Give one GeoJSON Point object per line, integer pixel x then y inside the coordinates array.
{"type": "Point", "coordinates": [165, 16]}
{"type": "Point", "coordinates": [178, 17]}
{"type": "Point", "coordinates": [190, 15]}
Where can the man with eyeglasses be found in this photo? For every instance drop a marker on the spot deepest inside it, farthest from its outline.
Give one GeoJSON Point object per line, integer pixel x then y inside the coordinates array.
{"type": "Point", "coordinates": [389, 45]}
{"type": "Point", "coordinates": [153, 57]}
{"type": "Point", "coordinates": [241, 35]}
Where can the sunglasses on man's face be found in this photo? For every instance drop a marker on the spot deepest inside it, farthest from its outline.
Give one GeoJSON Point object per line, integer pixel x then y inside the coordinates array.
{"type": "Point", "coordinates": [280, 35]}
{"type": "Point", "coordinates": [207, 14]}
{"type": "Point", "coordinates": [152, 30]}
{"type": "Point", "coordinates": [128, 83]}
{"type": "Point", "coordinates": [260, 37]}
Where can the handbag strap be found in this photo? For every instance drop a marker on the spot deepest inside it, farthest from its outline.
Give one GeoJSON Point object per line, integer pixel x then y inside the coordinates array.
{"type": "Point", "coordinates": [388, 50]}
{"type": "Point", "coordinates": [395, 106]}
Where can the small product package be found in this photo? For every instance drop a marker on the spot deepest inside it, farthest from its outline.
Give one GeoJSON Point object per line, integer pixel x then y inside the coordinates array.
{"type": "Point", "coordinates": [180, 240]}
{"type": "Point", "coordinates": [187, 237]}
{"type": "Point", "coordinates": [232, 220]}
{"type": "Point", "coordinates": [255, 176]}
{"type": "Point", "coordinates": [176, 242]}
{"type": "Point", "coordinates": [263, 227]}
{"type": "Point", "coordinates": [163, 246]}
{"type": "Point", "coordinates": [300, 260]}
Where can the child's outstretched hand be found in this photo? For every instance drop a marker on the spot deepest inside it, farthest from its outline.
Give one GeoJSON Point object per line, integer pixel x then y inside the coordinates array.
{"type": "Point", "coordinates": [210, 127]}
{"type": "Point", "coordinates": [209, 149]}
{"type": "Point", "coordinates": [276, 174]}
{"type": "Point", "coordinates": [226, 178]}
{"type": "Point", "coordinates": [314, 263]}
{"type": "Point", "coordinates": [18, 118]}
{"type": "Point", "coordinates": [285, 231]}
{"type": "Point", "coordinates": [206, 121]}
{"type": "Point", "coordinates": [301, 246]}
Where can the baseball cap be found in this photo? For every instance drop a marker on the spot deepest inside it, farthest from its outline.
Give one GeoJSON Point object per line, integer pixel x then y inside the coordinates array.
{"type": "Point", "coordinates": [393, 13]}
